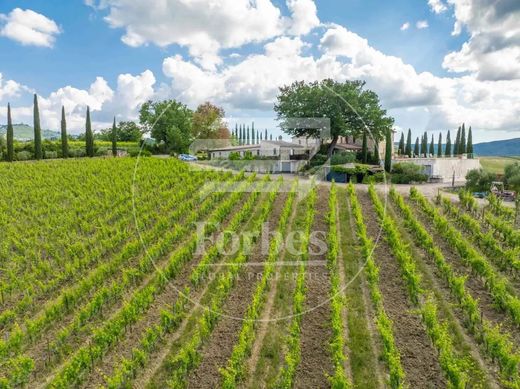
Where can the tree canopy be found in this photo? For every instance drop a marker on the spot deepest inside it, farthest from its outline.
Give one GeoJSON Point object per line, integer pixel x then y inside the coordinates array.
{"type": "Point", "coordinates": [168, 121]}
{"type": "Point", "coordinates": [351, 109]}
{"type": "Point", "coordinates": [126, 132]}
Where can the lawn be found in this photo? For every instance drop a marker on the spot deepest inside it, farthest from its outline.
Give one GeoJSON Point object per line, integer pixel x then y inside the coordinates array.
{"type": "Point", "coordinates": [497, 164]}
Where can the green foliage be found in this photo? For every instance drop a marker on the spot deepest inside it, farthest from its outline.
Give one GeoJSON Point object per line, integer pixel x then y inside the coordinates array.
{"type": "Point", "coordinates": [401, 148]}
{"type": "Point", "coordinates": [327, 99]}
{"type": "Point", "coordinates": [408, 150]}
{"type": "Point", "coordinates": [342, 158]}
{"type": "Point", "coordinates": [448, 152]}
{"type": "Point", "coordinates": [479, 180]}
{"type": "Point", "coordinates": [388, 151]}
{"type": "Point", "coordinates": [10, 136]}
{"type": "Point", "coordinates": [384, 324]}
{"type": "Point", "coordinates": [168, 121]}
{"type": "Point", "coordinates": [407, 172]}
{"type": "Point", "coordinates": [89, 136]}
{"type": "Point", "coordinates": [439, 146]}
{"type": "Point", "coordinates": [64, 138]}
{"type": "Point", "coordinates": [469, 146]}
{"type": "Point", "coordinates": [38, 151]}
{"type": "Point", "coordinates": [416, 150]}
{"type": "Point", "coordinates": [114, 138]}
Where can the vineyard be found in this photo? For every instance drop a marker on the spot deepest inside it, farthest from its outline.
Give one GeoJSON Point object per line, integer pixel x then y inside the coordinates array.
{"type": "Point", "coordinates": [149, 273]}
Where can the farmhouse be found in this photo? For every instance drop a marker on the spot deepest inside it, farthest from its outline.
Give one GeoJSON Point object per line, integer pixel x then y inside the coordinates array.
{"type": "Point", "coordinates": [277, 156]}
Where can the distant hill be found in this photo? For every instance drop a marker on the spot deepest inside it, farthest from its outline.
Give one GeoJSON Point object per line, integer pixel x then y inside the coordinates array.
{"type": "Point", "coordinates": [505, 148]}
{"type": "Point", "coordinates": [509, 147]}
{"type": "Point", "coordinates": [26, 132]}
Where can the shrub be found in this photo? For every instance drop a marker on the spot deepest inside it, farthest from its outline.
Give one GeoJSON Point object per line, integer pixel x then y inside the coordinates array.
{"type": "Point", "coordinates": [136, 152]}
{"type": "Point", "coordinates": [23, 156]}
{"type": "Point", "coordinates": [478, 180]}
{"type": "Point", "coordinates": [51, 154]}
{"type": "Point", "coordinates": [234, 156]}
{"type": "Point", "coordinates": [77, 153]}
{"type": "Point", "coordinates": [318, 160]}
{"type": "Point", "coordinates": [407, 173]}
{"type": "Point", "coordinates": [342, 158]}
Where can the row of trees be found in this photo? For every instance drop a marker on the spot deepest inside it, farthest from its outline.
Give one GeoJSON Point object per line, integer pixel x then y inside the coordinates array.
{"type": "Point", "coordinates": [38, 148]}
{"type": "Point", "coordinates": [245, 136]}
{"type": "Point", "coordinates": [424, 148]}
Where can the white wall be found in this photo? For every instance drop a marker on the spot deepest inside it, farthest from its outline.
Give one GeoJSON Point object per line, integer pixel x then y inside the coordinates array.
{"type": "Point", "coordinates": [445, 167]}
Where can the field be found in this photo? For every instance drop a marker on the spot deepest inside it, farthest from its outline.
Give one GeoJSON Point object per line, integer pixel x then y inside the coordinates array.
{"type": "Point", "coordinates": [497, 164]}
{"type": "Point", "coordinates": [117, 273]}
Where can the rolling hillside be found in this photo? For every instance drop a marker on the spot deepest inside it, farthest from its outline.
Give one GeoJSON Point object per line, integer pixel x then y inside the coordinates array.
{"type": "Point", "coordinates": [509, 147]}
{"type": "Point", "coordinates": [26, 132]}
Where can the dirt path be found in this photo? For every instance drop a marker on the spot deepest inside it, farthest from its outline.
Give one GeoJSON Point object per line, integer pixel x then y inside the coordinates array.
{"type": "Point", "coordinates": [418, 356]}
{"type": "Point", "coordinates": [315, 361]}
{"type": "Point", "coordinates": [219, 346]}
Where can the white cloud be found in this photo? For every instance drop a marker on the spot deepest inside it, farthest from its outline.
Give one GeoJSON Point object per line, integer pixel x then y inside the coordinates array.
{"type": "Point", "coordinates": [206, 27]}
{"type": "Point", "coordinates": [104, 102]}
{"type": "Point", "coordinates": [422, 24]}
{"type": "Point", "coordinates": [437, 6]}
{"type": "Point", "coordinates": [10, 89]}
{"type": "Point", "coordinates": [29, 28]}
{"type": "Point", "coordinates": [405, 26]}
{"type": "Point", "coordinates": [304, 16]}
{"type": "Point", "coordinates": [253, 83]}
{"type": "Point", "coordinates": [493, 49]}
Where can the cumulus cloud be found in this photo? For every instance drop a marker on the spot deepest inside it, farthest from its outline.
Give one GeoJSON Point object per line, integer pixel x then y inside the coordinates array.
{"type": "Point", "coordinates": [437, 6]}
{"type": "Point", "coordinates": [304, 16]}
{"type": "Point", "coordinates": [405, 26]}
{"type": "Point", "coordinates": [10, 88]}
{"type": "Point", "coordinates": [422, 24]}
{"type": "Point", "coordinates": [29, 28]}
{"type": "Point", "coordinates": [206, 27]}
{"type": "Point", "coordinates": [493, 49]}
{"type": "Point", "coordinates": [253, 82]}
{"type": "Point", "coordinates": [104, 102]}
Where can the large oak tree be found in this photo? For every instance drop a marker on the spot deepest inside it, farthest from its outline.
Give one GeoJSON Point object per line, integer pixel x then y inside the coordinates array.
{"type": "Point", "coordinates": [351, 109]}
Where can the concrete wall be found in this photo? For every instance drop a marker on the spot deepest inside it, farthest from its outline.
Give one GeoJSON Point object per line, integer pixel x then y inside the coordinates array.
{"type": "Point", "coordinates": [443, 168]}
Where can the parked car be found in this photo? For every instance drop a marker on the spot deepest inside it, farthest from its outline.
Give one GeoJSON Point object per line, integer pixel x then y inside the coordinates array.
{"type": "Point", "coordinates": [187, 157]}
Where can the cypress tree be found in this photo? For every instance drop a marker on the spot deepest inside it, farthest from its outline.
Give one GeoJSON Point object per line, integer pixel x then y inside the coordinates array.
{"type": "Point", "coordinates": [10, 135]}
{"type": "Point", "coordinates": [258, 137]}
{"type": "Point", "coordinates": [270, 136]}
{"type": "Point", "coordinates": [456, 146]}
{"type": "Point", "coordinates": [469, 147]}
{"type": "Point", "coordinates": [89, 136]}
{"type": "Point", "coordinates": [400, 150]}
{"type": "Point", "coordinates": [447, 152]}
{"type": "Point", "coordinates": [388, 151]}
{"type": "Point", "coordinates": [38, 152]}
{"type": "Point", "coordinates": [439, 146]}
{"type": "Point", "coordinates": [114, 138]}
{"type": "Point", "coordinates": [408, 150]}
{"type": "Point", "coordinates": [236, 130]}
{"type": "Point", "coordinates": [432, 148]}
{"type": "Point", "coordinates": [424, 144]}
{"type": "Point", "coordinates": [240, 136]}
{"type": "Point", "coordinates": [64, 139]}
{"type": "Point", "coordinates": [261, 136]}
{"type": "Point", "coordinates": [463, 140]}
{"type": "Point", "coordinates": [248, 141]}
{"type": "Point", "coordinates": [253, 134]}
{"type": "Point", "coordinates": [265, 134]}
{"type": "Point", "coordinates": [364, 148]}
{"type": "Point", "coordinates": [416, 150]}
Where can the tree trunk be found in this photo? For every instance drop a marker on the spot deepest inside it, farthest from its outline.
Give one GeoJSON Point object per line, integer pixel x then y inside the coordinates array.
{"type": "Point", "coordinates": [332, 145]}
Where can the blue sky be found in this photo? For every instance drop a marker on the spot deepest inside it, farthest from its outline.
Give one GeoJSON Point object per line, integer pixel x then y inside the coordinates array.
{"type": "Point", "coordinates": [90, 43]}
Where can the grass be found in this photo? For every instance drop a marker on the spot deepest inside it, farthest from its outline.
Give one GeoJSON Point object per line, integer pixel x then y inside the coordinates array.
{"type": "Point", "coordinates": [497, 164]}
